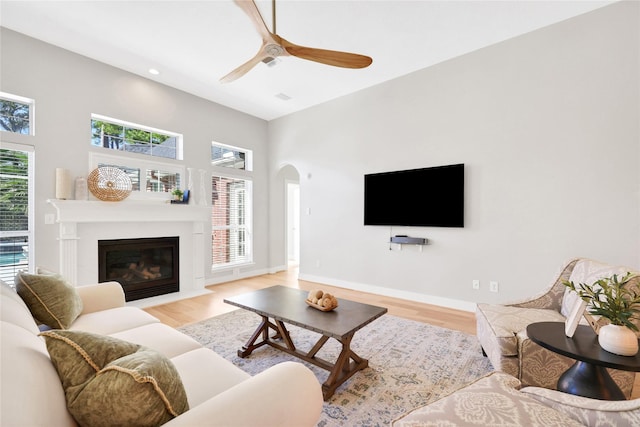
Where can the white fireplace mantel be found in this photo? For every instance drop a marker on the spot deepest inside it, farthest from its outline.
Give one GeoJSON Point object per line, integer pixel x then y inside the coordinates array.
{"type": "Point", "coordinates": [127, 211]}
{"type": "Point", "coordinates": [82, 223]}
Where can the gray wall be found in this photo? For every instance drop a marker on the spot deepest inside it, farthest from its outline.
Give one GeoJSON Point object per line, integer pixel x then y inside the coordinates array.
{"type": "Point", "coordinates": [547, 125]}
{"type": "Point", "coordinates": [68, 87]}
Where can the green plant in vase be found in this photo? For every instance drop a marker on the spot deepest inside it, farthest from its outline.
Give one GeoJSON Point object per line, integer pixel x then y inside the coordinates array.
{"type": "Point", "coordinates": [177, 194]}
{"type": "Point", "coordinates": [618, 301]}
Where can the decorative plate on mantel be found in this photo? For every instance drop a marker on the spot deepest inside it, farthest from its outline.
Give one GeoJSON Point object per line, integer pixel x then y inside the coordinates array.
{"type": "Point", "coordinates": [109, 184]}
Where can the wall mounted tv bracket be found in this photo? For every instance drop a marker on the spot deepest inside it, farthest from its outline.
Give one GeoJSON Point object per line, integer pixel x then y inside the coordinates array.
{"type": "Point", "coordinates": [407, 240]}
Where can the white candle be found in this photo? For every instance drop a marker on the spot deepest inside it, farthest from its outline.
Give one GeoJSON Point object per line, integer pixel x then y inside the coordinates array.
{"type": "Point", "coordinates": [63, 184]}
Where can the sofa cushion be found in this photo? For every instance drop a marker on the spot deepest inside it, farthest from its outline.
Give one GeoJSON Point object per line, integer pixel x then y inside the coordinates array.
{"type": "Point", "coordinates": [108, 381]}
{"type": "Point", "coordinates": [160, 337]}
{"type": "Point", "coordinates": [10, 292]}
{"type": "Point", "coordinates": [51, 300]}
{"type": "Point", "coordinates": [111, 321]}
{"type": "Point", "coordinates": [14, 310]}
{"type": "Point", "coordinates": [206, 374]}
{"type": "Point", "coordinates": [31, 391]}
{"type": "Point", "coordinates": [503, 322]}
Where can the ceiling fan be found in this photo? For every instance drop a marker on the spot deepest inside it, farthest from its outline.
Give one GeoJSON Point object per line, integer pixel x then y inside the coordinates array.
{"type": "Point", "coordinates": [274, 46]}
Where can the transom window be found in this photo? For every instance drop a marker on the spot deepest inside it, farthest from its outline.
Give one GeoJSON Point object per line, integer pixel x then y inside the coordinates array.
{"type": "Point", "coordinates": [114, 134]}
{"type": "Point", "coordinates": [230, 157]}
{"type": "Point", "coordinates": [16, 114]}
{"type": "Point", "coordinates": [148, 178]}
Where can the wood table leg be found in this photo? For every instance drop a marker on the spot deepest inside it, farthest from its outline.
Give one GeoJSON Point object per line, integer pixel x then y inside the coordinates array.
{"type": "Point", "coordinates": [343, 369]}
{"type": "Point", "coordinates": [263, 329]}
{"type": "Point", "coordinates": [283, 333]}
{"type": "Point", "coordinates": [347, 363]}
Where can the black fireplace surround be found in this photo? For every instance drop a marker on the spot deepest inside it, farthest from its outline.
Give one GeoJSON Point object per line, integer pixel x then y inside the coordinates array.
{"type": "Point", "coordinates": [145, 267]}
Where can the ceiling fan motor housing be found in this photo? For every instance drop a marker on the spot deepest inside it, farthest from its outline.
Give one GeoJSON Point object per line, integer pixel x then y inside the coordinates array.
{"type": "Point", "coordinates": [274, 50]}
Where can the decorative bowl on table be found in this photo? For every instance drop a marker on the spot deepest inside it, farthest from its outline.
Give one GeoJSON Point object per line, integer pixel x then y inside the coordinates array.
{"type": "Point", "coordinates": [320, 300]}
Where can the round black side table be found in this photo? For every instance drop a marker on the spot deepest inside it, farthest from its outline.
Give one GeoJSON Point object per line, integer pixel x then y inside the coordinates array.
{"type": "Point", "coordinates": [588, 376]}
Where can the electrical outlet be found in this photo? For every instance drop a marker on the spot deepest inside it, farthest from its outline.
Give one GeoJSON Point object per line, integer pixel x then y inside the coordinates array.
{"type": "Point", "coordinates": [493, 286]}
{"type": "Point", "coordinates": [475, 284]}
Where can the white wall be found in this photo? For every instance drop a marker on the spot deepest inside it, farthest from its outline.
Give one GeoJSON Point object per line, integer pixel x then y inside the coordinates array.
{"type": "Point", "coordinates": [68, 87]}
{"type": "Point", "coordinates": [547, 125]}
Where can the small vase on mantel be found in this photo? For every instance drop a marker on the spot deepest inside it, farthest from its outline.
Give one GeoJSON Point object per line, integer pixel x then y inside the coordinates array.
{"type": "Point", "coordinates": [618, 339]}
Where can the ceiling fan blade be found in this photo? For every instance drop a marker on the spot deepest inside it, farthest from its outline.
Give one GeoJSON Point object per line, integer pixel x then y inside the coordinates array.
{"type": "Point", "coordinates": [243, 69]}
{"type": "Point", "coordinates": [274, 46]}
{"type": "Point", "coordinates": [329, 57]}
{"type": "Point", "coordinates": [249, 7]}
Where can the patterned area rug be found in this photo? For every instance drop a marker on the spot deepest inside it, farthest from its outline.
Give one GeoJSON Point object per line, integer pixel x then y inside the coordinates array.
{"type": "Point", "coordinates": [410, 363]}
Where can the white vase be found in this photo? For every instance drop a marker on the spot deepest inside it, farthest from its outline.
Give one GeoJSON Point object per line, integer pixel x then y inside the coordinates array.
{"type": "Point", "coordinates": [202, 191]}
{"type": "Point", "coordinates": [618, 340]}
{"type": "Point", "coordinates": [190, 180]}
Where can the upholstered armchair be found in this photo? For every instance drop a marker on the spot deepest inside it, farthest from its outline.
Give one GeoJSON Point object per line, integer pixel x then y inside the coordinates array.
{"type": "Point", "coordinates": [501, 329]}
{"type": "Point", "coordinates": [498, 399]}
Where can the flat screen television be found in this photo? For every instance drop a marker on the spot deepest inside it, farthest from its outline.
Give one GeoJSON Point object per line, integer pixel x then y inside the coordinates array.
{"type": "Point", "coordinates": [427, 197]}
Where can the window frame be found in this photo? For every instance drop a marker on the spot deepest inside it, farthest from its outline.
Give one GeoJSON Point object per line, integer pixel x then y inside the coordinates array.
{"type": "Point", "coordinates": [32, 111]}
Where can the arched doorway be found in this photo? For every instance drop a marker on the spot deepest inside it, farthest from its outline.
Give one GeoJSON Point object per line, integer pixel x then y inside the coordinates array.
{"type": "Point", "coordinates": [287, 217]}
{"type": "Point", "coordinates": [293, 223]}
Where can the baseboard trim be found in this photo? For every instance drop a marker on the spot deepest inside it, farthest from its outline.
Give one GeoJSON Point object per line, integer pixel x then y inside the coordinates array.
{"type": "Point", "coordinates": [231, 274]}
{"type": "Point", "coordinates": [167, 298]}
{"type": "Point", "coordinates": [378, 290]}
{"type": "Point", "coordinates": [394, 293]}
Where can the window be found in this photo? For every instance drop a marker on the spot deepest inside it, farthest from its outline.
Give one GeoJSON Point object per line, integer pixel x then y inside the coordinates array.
{"type": "Point", "coordinates": [132, 173]}
{"type": "Point", "coordinates": [231, 201]}
{"type": "Point", "coordinates": [159, 181]}
{"type": "Point", "coordinates": [16, 114]}
{"type": "Point", "coordinates": [118, 135]}
{"type": "Point", "coordinates": [230, 157]}
{"type": "Point", "coordinates": [231, 241]}
{"type": "Point", "coordinates": [149, 179]}
{"type": "Point", "coordinates": [16, 201]}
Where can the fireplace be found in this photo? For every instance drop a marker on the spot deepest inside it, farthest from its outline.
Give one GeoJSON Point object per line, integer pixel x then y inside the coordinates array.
{"type": "Point", "coordinates": [145, 267]}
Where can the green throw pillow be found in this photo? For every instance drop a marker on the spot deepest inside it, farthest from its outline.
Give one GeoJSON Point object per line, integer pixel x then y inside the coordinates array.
{"type": "Point", "coordinates": [110, 382]}
{"type": "Point", "coordinates": [51, 300]}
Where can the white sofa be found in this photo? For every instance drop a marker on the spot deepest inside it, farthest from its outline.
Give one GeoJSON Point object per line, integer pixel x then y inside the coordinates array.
{"type": "Point", "coordinates": [218, 393]}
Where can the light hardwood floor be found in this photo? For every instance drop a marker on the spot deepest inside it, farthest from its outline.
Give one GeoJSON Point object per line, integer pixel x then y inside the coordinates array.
{"type": "Point", "coordinates": [195, 309]}
{"type": "Point", "coordinates": [199, 308]}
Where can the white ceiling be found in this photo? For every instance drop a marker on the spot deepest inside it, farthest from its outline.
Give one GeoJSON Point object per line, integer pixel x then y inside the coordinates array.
{"type": "Point", "coordinates": [195, 43]}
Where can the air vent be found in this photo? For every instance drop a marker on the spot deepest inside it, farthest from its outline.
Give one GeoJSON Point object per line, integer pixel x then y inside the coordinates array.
{"type": "Point", "coordinates": [283, 96]}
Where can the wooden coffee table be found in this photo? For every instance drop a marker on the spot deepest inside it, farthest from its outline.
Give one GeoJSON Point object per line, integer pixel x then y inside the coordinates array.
{"type": "Point", "coordinates": [588, 376]}
{"type": "Point", "coordinates": [279, 305]}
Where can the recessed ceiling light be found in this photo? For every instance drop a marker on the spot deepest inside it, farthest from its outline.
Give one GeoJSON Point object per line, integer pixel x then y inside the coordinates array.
{"type": "Point", "coordinates": [154, 71]}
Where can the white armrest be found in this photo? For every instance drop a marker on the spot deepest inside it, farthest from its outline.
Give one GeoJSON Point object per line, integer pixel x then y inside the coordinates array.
{"type": "Point", "coordinates": [287, 394]}
{"type": "Point", "coordinates": [101, 296]}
